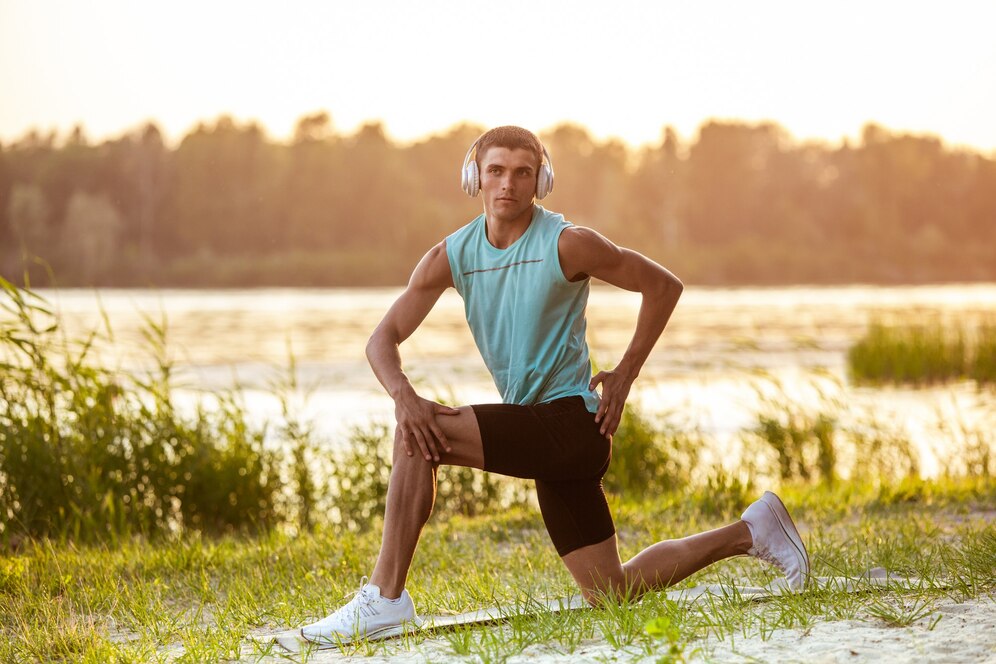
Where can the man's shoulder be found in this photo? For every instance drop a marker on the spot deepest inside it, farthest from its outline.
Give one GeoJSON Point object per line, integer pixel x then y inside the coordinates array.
{"type": "Point", "coordinates": [446, 256]}
{"type": "Point", "coordinates": [581, 250]}
{"type": "Point", "coordinates": [574, 237]}
{"type": "Point", "coordinates": [433, 271]}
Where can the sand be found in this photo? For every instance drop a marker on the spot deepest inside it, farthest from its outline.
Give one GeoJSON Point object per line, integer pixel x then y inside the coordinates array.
{"type": "Point", "coordinates": [966, 632]}
{"type": "Point", "coordinates": [957, 632]}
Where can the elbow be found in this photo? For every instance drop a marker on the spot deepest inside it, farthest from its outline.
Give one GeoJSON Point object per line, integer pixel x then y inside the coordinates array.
{"type": "Point", "coordinates": [381, 339]}
{"type": "Point", "coordinates": [372, 343]}
{"type": "Point", "coordinates": [675, 286]}
{"type": "Point", "coordinates": [670, 287]}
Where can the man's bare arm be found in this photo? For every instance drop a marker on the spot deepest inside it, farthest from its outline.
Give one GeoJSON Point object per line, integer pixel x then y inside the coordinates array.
{"type": "Point", "coordinates": [415, 416]}
{"type": "Point", "coordinates": [585, 252]}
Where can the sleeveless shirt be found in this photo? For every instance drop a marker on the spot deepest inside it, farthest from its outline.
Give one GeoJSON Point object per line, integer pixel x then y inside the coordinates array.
{"type": "Point", "coordinates": [527, 319]}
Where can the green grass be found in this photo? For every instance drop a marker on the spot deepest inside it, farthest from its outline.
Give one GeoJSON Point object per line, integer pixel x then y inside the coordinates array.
{"type": "Point", "coordinates": [132, 532]}
{"type": "Point", "coordinates": [908, 352]}
{"type": "Point", "coordinates": [91, 453]}
{"type": "Point", "coordinates": [983, 368]}
{"type": "Point", "coordinates": [199, 599]}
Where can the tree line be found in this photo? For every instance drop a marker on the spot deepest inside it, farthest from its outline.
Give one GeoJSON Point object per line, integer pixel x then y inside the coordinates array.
{"type": "Point", "coordinates": [741, 203]}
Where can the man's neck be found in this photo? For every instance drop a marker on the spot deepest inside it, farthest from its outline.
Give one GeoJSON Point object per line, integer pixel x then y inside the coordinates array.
{"type": "Point", "coordinates": [502, 233]}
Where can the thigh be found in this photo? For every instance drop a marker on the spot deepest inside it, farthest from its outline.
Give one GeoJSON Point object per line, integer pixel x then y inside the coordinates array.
{"type": "Point", "coordinates": [559, 440]}
{"type": "Point", "coordinates": [464, 436]}
{"type": "Point", "coordinates": [553, 441]}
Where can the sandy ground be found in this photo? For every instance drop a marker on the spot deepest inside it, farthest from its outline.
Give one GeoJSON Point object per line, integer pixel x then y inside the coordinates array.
{"type": "Point", "coordinates": [965, 632]}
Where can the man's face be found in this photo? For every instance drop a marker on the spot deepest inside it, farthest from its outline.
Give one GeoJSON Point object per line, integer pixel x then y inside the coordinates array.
{"type": "Point", "coordinates": [508, 181]}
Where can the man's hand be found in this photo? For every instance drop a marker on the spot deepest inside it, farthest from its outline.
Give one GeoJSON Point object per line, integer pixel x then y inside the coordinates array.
{"type": "Point", "coordinates": [417, 425]}
{"type": "Point", "coordinates": [615, 391]}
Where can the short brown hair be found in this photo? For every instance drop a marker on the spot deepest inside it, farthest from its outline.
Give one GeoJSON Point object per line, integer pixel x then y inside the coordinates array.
{"type": "Point", "coordinates": [511, 137]}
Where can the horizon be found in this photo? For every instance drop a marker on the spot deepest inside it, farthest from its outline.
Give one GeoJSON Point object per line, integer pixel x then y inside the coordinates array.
{"type": "Point", "coordinates": [171, 141]}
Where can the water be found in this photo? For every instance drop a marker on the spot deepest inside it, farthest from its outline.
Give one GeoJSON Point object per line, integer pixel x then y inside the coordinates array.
{"type": "Point", "coordinates": [721, 347]}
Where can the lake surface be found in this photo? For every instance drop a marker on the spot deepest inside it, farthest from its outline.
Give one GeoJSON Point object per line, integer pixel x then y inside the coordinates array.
{"type": "Point", "coordinates": [722, 349]}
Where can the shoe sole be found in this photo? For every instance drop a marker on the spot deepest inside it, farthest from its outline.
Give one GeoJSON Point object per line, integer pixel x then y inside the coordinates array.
{"type": "Point", "coordinates": [375, 635]}
{"type": "Point", "coordinates": [785, 522]}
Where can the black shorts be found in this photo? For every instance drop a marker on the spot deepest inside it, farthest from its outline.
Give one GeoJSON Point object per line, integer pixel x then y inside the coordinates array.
{"type": "Point", "coordinates": [557, 444]}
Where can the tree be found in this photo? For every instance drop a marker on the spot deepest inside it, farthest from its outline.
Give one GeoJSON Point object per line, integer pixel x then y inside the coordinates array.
{"type": "Point", "coordinates": [316, 127]}
{"type": "Point", "coordinates": [654, 200]}
{"type": "Point", "coordinates": [591, 178]}
{"type": "Point", "coordinates": [227, 191]}
{"type": "Point", "coordinates": [385, 206]}
{"type": "Point", "coordinates": [146, 169]}
{"type": "Point", "coordinates": [313, 189]}
{"type": "Point", "coordinates": [90, 237]}
{"type": "Point", "coordinates": [728, 178]}
{"type": "Point", "coordinates": [28, 212]}
{"type": "Point", "coordinates": [6, 184]}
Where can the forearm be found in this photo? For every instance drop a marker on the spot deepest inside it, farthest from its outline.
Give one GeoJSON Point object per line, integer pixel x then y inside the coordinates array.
{"type": "Point", "coordinates": [384, 356]}
{"type": "Point", "coordinates": [430, 278]}
{"type": "Point", "coordinates": [655, 311]}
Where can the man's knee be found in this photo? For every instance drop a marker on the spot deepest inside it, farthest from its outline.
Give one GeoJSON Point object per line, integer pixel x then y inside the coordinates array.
{"type": "Point", "coordinates": [599, 587]}
{"type": "Point", "coordinates": [597, 570]}
{"type": "Point", "coordinates": [401, 457]}
{"type": "Point", "coordinates": [463, 436]}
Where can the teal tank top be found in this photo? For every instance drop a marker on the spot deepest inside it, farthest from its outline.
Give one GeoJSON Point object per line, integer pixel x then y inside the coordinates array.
{"type": "Point", "coordinates": [527, 319]}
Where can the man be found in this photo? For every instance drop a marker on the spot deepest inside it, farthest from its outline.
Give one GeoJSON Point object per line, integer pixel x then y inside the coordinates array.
{"type": "Point", "coordinates": [524, 275]}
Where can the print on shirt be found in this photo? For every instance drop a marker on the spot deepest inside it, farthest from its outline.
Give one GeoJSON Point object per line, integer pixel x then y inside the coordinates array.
{"type": "Point", "coordinates": [503, 267]}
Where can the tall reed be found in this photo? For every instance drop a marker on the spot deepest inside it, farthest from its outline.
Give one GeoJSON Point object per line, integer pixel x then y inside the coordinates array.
{"type": "Point", "coordinates": [916, 353]}
{"type": "Point", "coordinates": [87, 453]}
{"type": "Point", "coordinates": [799, 441]}
{"type": "Point", "coordinates": [983, 367]}
{"type": "Point", "coordinates": [649, 460]}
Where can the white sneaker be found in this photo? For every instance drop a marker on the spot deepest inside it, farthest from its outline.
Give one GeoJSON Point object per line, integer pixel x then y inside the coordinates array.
{"type": "Point", "coordinates": [366, 616]}
{"type": "Point", "coordinates": [776, 539]}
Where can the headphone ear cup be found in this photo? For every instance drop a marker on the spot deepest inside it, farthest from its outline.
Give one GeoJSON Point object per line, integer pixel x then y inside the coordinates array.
{"type": "Point", "coordinates": [471, 179]}
{"type": "Point", "coordinates": [544, 182]}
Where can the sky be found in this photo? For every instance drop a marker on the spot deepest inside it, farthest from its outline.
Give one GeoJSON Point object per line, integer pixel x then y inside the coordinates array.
{"type": "Point", "coordinates": [624, 69]}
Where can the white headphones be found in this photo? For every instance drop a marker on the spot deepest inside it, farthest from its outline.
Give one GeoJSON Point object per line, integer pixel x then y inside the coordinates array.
{"type": "Point", "coordinates": [470, 177]}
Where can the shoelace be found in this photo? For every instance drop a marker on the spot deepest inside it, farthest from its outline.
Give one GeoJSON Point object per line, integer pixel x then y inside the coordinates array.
{"type": "Point", "coordinates": [767, 556]}
{"type": "Point", "coordinates": [360, 606]}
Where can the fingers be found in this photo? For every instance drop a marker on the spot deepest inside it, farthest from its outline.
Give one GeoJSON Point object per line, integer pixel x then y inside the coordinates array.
{"type": "Point", "coordinates": [404, 440]}
{"type": "Point", "coordinates": [612, 421]}
{"type": "Point", "coordinates": [446, 410]}
{"type": "Point", "coordinates": [596, 379]}
{"type": "Point", "coordinates": [615, 390]}
{"type": "Point", "coordinates": [609, 415]}
{"type": "Point", "coordinates": [427, 445]}
{"type": "Point", "coordinates": [603, 402]}
{"type": "Point", "coordinates": [605, 408]}
{"type": "Point", "coordinates": [440, 437]}
{"type": "Point", "coordinates": [419, 428]}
